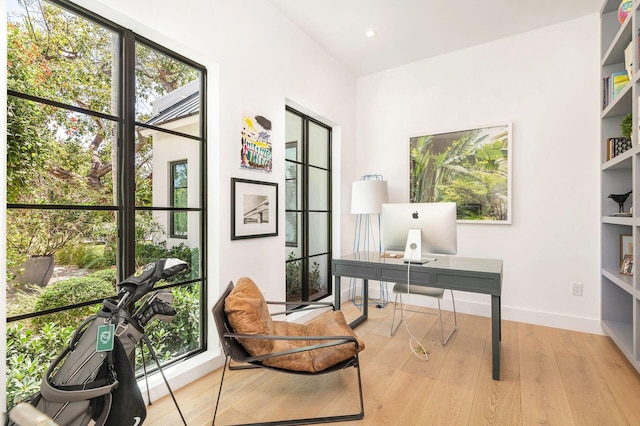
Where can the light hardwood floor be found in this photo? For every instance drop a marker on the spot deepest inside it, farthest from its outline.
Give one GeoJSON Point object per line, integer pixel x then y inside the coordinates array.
{"type": "Point", "coordinates": [549, 376]}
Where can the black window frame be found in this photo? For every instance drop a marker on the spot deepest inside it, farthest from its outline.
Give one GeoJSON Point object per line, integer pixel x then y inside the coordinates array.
{"type": "Point", "coordinates": [127, 126]}
{"type": "Point", "coordinates": [304, 211]}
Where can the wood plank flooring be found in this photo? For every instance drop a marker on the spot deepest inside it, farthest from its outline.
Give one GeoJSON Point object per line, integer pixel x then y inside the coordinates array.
{"type": "Point", "coordinates": [548, 376]}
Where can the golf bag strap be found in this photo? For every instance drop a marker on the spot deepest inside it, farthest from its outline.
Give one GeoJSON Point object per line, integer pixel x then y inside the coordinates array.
{"type": "Point", "coordinates": [108, 399]}
{"type": "Point", "coordinates": [77, 334]}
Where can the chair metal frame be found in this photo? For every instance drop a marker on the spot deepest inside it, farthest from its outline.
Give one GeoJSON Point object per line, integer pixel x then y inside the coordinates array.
{"type": "Point", "coordinates": [234, 351]}
{"type": "Point", "coordinates": [439, 314]}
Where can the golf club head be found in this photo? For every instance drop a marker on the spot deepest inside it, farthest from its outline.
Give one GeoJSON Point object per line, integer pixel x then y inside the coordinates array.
{"type": "Point", "coordinates": [143, 280]}
{"type": "Point", "coordinates": [158, 305]}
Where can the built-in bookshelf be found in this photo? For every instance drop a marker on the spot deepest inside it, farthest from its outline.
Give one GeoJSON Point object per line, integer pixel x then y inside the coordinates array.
{"type": "Point", "coordinates": [620, 173]}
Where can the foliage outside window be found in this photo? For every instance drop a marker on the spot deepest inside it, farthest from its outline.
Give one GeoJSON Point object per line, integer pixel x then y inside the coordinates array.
{"type": "Point", "coordinates": [307, 208]}
{"type": "Point", "coordinates": [82, 201]}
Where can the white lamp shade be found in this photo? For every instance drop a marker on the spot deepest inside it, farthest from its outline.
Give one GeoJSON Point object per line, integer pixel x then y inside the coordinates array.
{"type": "Point", "coordinates": [367, 196]}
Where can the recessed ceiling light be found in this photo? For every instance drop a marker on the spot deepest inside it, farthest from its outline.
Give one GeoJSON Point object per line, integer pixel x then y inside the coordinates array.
{"type": "Point", "coordinates": [370, 33]}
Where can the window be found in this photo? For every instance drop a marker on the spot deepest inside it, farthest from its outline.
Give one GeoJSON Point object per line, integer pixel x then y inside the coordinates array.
{"type": "Point", "coordinates": [94, 115]}
{"type": "Point", "coordinates": [307, 207]}
{"type": "Point", "coordinates": [178, 222]}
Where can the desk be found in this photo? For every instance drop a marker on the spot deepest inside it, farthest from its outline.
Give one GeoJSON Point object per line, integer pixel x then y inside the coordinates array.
{"type": "Point", "coordinates": [457, 273]}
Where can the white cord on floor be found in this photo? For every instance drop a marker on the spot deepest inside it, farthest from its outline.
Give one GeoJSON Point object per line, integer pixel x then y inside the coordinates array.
{"type": "Point", "coordinates": [417, 348]}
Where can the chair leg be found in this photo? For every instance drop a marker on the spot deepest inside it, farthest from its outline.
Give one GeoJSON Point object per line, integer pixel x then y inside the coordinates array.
{"type": "Point", "coordinates": [393, 320]}
{"type": "Point", "coordinates": [227, 363]}
{"type": "Point", "coordinates": [304, 421]}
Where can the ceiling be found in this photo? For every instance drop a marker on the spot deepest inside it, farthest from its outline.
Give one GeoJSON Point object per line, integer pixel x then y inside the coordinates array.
{"type": "Point", "coordinates": [411, 30]}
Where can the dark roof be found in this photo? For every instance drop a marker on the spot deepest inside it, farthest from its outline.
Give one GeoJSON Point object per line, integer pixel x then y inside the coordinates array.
{"type": "Point", "coordinates": [184, 108]}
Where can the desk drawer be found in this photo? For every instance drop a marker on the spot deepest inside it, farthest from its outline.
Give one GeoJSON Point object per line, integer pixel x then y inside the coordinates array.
{"type": "Point", "coordinates": [355, 270]}
{"type": "Point", "coordinates": [399, 275]}
{"type": "Point", "coordinates": [467, 282]}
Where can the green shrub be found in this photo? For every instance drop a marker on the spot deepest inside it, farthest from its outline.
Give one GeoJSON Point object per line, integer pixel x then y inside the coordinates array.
{"type": "Point", "coordinates": [108, 275]}
{"type": "Point", "coordinates": [90, 256]}
{"type": "Point", "coordinates": [29, 354]}
{"type": "Point", "coordinates": [69, 292]}
{"type": "Point", "coordinates": [182, 334]}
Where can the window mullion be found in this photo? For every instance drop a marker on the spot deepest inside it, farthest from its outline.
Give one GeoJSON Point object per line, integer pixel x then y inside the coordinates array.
{"type": "Point", "coordinates": [127, 217]}
{"type": "Point", "coordinates": [305, 208]}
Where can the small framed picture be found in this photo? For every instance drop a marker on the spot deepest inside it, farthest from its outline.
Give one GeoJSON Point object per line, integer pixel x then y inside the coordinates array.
{"type": "Point", "coordinates": [627, 265]}
{"type": "Point", "coordinates": [626, 246]}
{"type": "Point", "coordinates": [254, 209]}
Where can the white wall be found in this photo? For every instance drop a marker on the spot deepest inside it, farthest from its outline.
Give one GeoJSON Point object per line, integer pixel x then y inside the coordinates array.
{"type": "Point", "coordinates": [546, 83]}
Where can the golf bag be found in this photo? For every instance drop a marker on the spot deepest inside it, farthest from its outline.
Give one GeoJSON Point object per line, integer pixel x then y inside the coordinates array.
{"type": "Point", "coordinates": [93, 378]}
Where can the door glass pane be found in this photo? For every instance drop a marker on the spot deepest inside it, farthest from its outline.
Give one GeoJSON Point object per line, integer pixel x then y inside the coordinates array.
{"type": "Point", "coordinates": [293, 136]}
{"type": "Point", "coordinates": [155, 153]}
{"type": "Point", "coordinates": [293, 186]}
{"type": "Point", "coordinates": [294, 280]}
{"type": "Point", "coordinates": [318, 278]}
{"type": "Point", "coordinates": [293, 234]}
{"type": "Point", "coordinates": [57, 55]}
{"type": "Point", "coordinates": [57, 156]}
{"type": "Point", "coordinates": [318, 145]}
{"type": "Point", "coordinates": [318, 188]}
{"type": "Point", "coordinates": [318, 233]}
{"type": "Point", "coordinates": [167, 92]}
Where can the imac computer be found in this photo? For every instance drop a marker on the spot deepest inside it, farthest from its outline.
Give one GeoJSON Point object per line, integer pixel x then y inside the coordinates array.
{"type": "Point", "coordinates": [419, 230]}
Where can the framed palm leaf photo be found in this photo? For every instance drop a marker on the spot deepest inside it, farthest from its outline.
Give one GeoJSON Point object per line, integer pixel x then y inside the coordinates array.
{"type": "Point", "coordinates": [469, 167]}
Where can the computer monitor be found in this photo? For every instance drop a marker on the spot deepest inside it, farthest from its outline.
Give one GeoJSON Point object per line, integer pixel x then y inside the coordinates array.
{"type": "Point", "coordinates": [419, 230]}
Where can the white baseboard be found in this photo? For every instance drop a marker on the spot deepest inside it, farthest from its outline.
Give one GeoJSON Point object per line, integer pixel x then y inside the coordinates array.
{"type": "Point", "coordinates": [509, 313]}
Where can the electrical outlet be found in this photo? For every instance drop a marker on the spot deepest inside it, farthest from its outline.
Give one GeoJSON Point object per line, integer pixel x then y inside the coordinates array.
{"type": "Point", "coordinates": [576, 289]}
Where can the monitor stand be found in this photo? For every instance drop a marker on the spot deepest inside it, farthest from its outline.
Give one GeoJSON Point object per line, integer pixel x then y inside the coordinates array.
{"type": "Point", "coordinates": [413, 249]}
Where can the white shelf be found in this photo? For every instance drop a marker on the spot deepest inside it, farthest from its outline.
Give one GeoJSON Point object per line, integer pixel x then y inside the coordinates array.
{"type": "Point", "coordinates": [620, 294]}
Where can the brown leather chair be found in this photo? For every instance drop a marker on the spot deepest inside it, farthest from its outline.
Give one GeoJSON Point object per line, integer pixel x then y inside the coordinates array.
{"type": "Point", "coordinates": [250, 336]}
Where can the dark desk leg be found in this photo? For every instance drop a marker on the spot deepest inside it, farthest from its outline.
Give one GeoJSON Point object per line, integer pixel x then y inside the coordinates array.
{"type": "Point", "coordinates": [496, 335]}
{"type": "Point", "coordinates": [365, 303]}
{"type": "Point", "coordinates": [336, 289]}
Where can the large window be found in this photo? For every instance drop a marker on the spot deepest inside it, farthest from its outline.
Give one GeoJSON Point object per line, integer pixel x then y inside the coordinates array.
{"type": "Point", "coordinates": [95, 113]}
{"type": "Point", "coordinates": [307, 207]}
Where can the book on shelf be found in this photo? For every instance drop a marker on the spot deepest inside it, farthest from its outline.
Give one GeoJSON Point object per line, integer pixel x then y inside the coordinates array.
{"type": "Point", "coordinates": [612, 86]}
{"type": "Point", "coordinates": [616, 146]}
{"type": "Point", "coordinates": [618, 82]}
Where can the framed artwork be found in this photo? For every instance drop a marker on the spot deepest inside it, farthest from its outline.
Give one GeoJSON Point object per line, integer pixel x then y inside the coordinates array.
{"type": "Point", "coordinates": [254, 209]}
{"type": "Point", "coordinates": [626, 268]}
{"type": "Point", "coordinates": [626, 246]}
{"type": "Point", "coordinates": [470, 167]}
{"type": "Point", "coordinates": [255, 143]}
